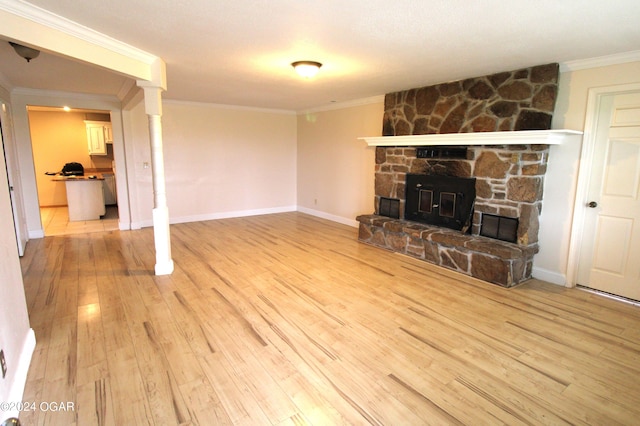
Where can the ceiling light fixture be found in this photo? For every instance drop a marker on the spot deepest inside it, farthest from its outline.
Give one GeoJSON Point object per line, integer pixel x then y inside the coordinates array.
{"type": "Point", "coordinates": [24, 51]}
{"type": "Point", "coordinates": [306, 69]}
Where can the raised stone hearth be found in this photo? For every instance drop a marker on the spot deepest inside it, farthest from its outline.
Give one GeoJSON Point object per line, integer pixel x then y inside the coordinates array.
{"type": "Point", "coordinates": [484, 258]}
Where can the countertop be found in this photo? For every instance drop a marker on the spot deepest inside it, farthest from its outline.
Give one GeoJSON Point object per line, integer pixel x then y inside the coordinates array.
{"type": "Point", "coordinates": [98, 176]}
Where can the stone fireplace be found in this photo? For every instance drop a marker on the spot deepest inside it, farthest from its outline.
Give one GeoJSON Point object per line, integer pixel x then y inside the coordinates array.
{"type": "Point", "coordinates": [466, 130]}
{"type": "Point", "coordinates": [508, 181]}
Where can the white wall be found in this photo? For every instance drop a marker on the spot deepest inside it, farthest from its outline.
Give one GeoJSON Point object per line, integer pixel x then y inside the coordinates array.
{"type": "Point", "coordinates": [219, 161]}
{"type": "Point", "coordinates": [335, 169]}
{"type": "Point", "coordinates": [550, 263]}
{"type": "Point", "coordinates": [16, 337]}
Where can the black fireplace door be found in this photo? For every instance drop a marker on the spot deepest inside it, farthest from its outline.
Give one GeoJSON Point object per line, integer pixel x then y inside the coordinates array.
{"type": "Point", "coordinates": [440, 200]}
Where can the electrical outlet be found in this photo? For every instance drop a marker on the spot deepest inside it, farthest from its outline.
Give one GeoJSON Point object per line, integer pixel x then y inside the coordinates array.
{"type": "Point", "coordinates": [3, 363]}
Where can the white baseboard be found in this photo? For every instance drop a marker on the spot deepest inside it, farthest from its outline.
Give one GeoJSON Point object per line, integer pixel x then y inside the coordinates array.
{"type": "Point", "coordinates": [141, 224]}
{"type": "Point", "coordinates": [549, 276]}
{"type": "Point", "coordinates": [36, 233]}
{"type": "Point", "coordinates": [254, 212]}
{"type": "Point", "coordinates": [232, 214]}
{"type": "Point", "coordinates": [216, 216]}
{"type": "Point", "coordinates": [324, 215]}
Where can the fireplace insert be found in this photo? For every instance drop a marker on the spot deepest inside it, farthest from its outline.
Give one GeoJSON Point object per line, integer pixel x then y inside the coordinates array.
{"type": "Point", "coordinates": [445, 201]}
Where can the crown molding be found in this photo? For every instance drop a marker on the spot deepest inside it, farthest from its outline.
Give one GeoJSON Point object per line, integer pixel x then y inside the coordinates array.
{"type": "Point", "coordinates": [66, 26]}
{"type": "Point", "coordinates": [226, 106]}
{"type": "Point", "coordinates": [345, 104]}
{"type": "Point", "coordinates": [600, 61]}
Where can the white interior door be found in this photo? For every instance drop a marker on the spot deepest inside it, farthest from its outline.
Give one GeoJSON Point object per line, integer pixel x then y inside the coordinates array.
{"type": "Point", "coordinates": [610, 256]}
{"type": "Point", "coordinates": [19, 221]}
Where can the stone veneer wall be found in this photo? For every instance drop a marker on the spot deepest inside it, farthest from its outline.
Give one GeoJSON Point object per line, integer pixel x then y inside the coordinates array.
{"type": "Point", "coordinates": [516, 100]}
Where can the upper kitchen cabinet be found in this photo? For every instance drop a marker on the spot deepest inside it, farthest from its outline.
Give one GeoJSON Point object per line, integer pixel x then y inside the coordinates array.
{"type": "Point", "coordinates": [108, 136]}
{"type": "Point", "coordinates": [98, 136]}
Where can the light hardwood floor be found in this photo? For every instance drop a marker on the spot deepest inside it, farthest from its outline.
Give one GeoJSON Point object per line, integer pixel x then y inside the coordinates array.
{"type": "Point", "coordinates": [287, 320]}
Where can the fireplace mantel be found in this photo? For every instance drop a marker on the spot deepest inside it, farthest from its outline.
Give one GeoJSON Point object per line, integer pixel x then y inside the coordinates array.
{"type": "Point", "coordinates": [522, 137]}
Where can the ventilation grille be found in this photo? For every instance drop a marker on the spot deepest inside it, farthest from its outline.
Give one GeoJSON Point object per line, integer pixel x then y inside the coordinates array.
{"type": "Point", "coordinates": [499, 227]}
{"type": "Point", "coordinates": [389, 207]}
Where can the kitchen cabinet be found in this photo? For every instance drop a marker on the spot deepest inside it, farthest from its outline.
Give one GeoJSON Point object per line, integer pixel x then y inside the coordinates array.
{"type": "Point", "coordinates": [109, 187]}
{"type": "Point", "coordinates": [108, 134]}
{"type": "Point", "coordinates": [99, 134]}
{"type": "Point", "coordinates": [85, 197]}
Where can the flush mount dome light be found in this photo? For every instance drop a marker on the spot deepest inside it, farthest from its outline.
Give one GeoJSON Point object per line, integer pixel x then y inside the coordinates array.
{"type": "Point", "coordinates": [24, 51]}
{"type": "Point", "coordinates": [306, 69]}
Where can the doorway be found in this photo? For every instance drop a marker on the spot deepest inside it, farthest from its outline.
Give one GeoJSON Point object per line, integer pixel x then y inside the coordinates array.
{"type": "Point", "coordinates": [60, 136]}
{"type": "Point", "coordinates": [610, 233]}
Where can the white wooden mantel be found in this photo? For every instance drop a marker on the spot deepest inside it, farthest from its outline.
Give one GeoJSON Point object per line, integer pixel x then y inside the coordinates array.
{"type": "Point", "coordinates": [522, 137]}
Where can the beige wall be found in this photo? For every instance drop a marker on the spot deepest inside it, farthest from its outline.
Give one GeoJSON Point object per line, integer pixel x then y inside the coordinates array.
{"type": "Point", "coordinates": [574, 87]}
{"type": "Point", "coordinates": [58, 138]}
{"type": "Point", "coordinates": [16, 337]}
{"type": "Point", "coordinates": [551, 262]}
{"type": "Point", "coordinates": [335, 169]}
{"type": "Point", "coordinates": [219, 161]}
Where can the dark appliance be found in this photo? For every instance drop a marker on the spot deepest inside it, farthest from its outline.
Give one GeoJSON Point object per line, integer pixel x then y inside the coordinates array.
{"type": "Point", "coordinates": [440, 200]}
{"type": "Point", "coordinates": [72, 169]}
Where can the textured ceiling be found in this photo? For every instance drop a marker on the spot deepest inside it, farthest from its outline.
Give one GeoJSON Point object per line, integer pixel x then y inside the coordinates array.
{"type": "Point", "coordinates": [238, 52]}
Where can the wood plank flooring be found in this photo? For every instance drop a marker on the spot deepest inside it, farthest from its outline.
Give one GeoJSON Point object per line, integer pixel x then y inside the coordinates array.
{"type": "Point", "coordinates": [286, 319]}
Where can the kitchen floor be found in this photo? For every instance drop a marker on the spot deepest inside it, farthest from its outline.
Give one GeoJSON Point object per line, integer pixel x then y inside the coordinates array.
{"type": "Point", "coordinates": [55, 221]}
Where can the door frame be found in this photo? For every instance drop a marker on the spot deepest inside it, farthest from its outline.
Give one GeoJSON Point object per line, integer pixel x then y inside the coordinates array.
{"type": "Point", "coordinates": [13, 176]}
{"type": "Point", "coordinates": [594, 101]}
{"type": "Point", "coordinates": [20, 102]}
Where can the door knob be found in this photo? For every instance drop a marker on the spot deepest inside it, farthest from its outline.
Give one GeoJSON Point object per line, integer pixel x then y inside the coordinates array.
{"type": "Point", "coordinates": [592, 204]}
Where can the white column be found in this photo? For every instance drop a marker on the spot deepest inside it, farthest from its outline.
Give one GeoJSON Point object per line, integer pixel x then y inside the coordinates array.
{"type": "Point", "coordinates": [161, 233]}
